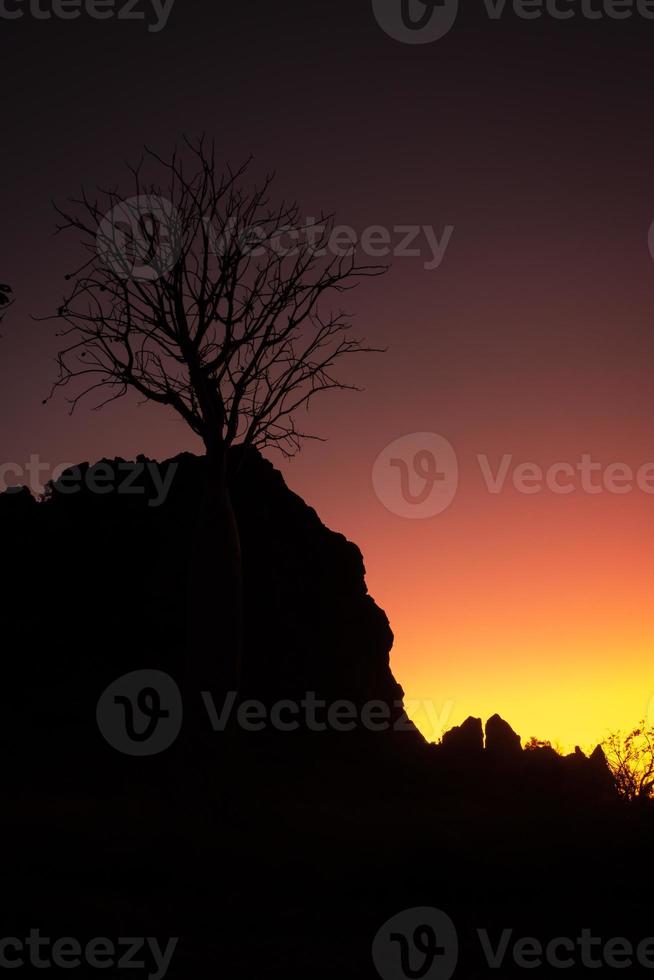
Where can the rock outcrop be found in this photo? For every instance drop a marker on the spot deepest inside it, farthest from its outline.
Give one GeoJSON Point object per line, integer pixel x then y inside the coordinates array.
{"type": "Point", "coordinates": [499, 764]}
{"type": "Point", "coordinates": [465, 741]}
{"type": "Point", "coordinates": [502, 743]}
{"type": "Point", "coordinates": [99, 571]}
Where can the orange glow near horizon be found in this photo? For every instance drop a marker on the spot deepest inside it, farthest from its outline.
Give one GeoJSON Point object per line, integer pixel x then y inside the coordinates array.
{"type": "Point", "coordinates": [533, 606]}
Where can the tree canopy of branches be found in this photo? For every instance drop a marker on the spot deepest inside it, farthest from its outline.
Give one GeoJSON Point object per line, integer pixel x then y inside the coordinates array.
{"type": "Point", "coordinates": [191, 297]}
{"type": "Point", "coordinates": [5, 300]}
{"type": "Point", "coordinates": [631, 760]}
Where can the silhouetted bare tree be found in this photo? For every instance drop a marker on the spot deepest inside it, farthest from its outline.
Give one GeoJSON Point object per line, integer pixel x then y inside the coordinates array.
{"type": "Point", "coordinates": [5, 300]}
{"type": "Point", "coordinates": [199, 294]}
{"type": "Point", "coordinates": [631, 760]}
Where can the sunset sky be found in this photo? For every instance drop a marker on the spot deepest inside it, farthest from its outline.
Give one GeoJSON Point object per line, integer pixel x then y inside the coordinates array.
{"type": "Point", "coordinates": [533, 338]}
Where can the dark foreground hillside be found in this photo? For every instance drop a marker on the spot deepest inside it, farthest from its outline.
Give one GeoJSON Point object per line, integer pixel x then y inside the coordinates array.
{"type": "Point", "coordinates": [270, 853]}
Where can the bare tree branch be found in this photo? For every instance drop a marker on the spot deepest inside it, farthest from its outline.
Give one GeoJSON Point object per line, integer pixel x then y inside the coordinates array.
{"type": "Point", "coordinates": [5, 300]}
{"type": "Point", "coordinates": [631, 760]}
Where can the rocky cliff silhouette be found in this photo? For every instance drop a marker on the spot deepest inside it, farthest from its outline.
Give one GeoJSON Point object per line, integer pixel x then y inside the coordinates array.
{"type": "Point", "coordinates": [98, 571]}
{"type": "Point", "coordinates": [302, 845]}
